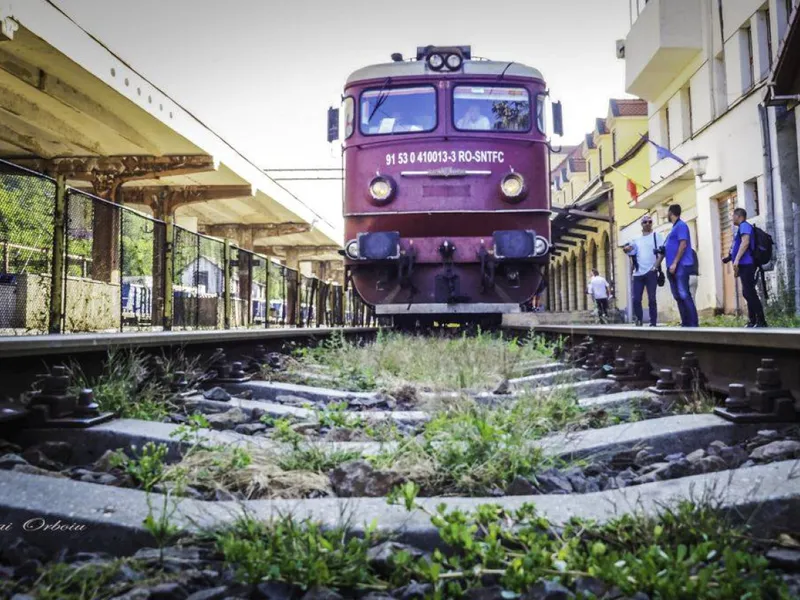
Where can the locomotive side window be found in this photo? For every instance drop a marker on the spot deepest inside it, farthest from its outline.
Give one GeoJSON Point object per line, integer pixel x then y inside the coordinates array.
{"type": "Point", "coordinates": [482, 108]}
{"type": "Point", "coordinates": [541, 113]}
{"type": "Point", "coordinates": [398, 110]}
{"type": "Point", "coordinates": [349, 107]}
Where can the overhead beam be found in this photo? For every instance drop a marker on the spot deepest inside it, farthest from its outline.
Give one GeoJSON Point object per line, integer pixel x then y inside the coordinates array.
{"type": "Point", "coordinates": [256, 230]}
{"type": "Point", "coordinates": [301, 252]}
{"type": "Point", "coordinates": [563, 242]}
{"type": "Point", "coordinates": [65, 94]}
{"type": "Point", "coordinates": [22, 114]}
{"type": "Point", "coordinates": [577, 236]}
{"type": "Point", "coordinates": [107, 173]}
{"type": "Point", "coordinates": [579, 227]}
{"type": "Point", "coordinates": [161, 198]}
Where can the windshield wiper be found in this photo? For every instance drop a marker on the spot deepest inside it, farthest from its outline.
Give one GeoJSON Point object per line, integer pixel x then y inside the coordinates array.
{"type": "Point", "coordinates": [382, 96]}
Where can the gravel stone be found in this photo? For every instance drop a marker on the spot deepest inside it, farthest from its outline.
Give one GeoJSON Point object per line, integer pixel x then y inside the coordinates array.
{"type": "Point", "coordinates": [168, 591]}
{"type": "Point", "coordinates": [380, 556]}
{"type": "Point", "coordinates": [413, 590]}
{"type": "Point", "coordinates": [358, 478]}
{"type": "Point", "coordinates": [494, 592]}
{"type": "Point", "coordinates": [645, 458]}
{"type": "Point", "coordinates": [274, 590]}
{"type": "Point", "coordinates": [695, 456]}
{"type": "Point", "coordinates": [228, 419]}
{"type": "Point", "coordinates": [103, 464]}
{"type": "Point", "coordinates": [784, 558]}
{"type": "Point", "coordinates": [780, 450]}
{"type": "Point", "coordinates": [624, 459]}
{"type": "Point", "coordinates": [92, 477]}
{"type": "Point", "coordinates": [216, 593]}
{"type": "Point", "coordinates": [520, 487]}
{"type": "Point", "coordinates": [674, 457]}
{"type": "Point", "coordinates": [734, 456]}
{"type": "Point", "coordinates": [185, 557]}
{"type": "Point", "coordinates": [547, 590]}
{"type": "Point", "coordinates": [584, 586]}
{"type": "Point", "coordinates": [9, 461]}
{"type": "Point", "coordinates": [552, 482]}
{"type": "Point", "coordinates": [709, 464]}
{"type": "Point", "coordinates": [717, 447]}
{"type": "Point", "coordinates": [250, 428]}
{"type": "Point", "coordinates": [217, 394]}
{"type": "Point", "coordinates": [60, 452]}
{"type": "Point", "coordinates": [583, 485]}
{"type": "Point", "coordinates": [31, 470]}
{"type": "Point", "coordinates": [321, 593]}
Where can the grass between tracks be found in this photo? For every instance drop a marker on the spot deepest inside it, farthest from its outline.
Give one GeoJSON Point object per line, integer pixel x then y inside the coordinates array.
{"type": "Point", "coordinates": [688, 551]}
{"type": "Point", "coordinates": [436, 362]}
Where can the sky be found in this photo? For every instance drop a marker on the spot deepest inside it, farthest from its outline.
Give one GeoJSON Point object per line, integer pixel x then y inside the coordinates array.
{"type": "Point", "coordinates": [262, 73]}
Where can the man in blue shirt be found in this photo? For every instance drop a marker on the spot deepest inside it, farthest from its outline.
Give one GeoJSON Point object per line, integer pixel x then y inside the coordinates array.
{"type": "Point", "coordinates": [647, 263]}
{"type": "Point", "coordinates": [680, 265]}
{"type": "Point", "coordinates": [744, 267]}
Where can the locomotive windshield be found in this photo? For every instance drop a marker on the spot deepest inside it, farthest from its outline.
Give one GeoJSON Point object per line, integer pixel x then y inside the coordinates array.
{"type": "Point", "coordinates": [398, 110]}
{"type": "Point", "coordinates": [481, 108]}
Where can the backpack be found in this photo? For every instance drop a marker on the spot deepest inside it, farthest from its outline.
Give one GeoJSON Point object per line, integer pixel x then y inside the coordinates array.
{"type": "Point", "coordinates": [761, 246]}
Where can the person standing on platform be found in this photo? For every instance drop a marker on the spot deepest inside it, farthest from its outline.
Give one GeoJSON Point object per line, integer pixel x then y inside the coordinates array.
{"type": "Point", "coordinates": [645, 252]}
{"type": "Point", "coordinates": [681, 265]}
{"type": "Point", "coordinates": [599, 290]}
{"type": "Point", "coordinates": [745, 269]}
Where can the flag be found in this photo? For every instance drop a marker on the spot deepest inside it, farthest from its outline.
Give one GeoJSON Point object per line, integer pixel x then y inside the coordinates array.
{"type": "Point", "coordinates": [633, 191]}
{"type": "Point", "coordinates": [626, 176]}
{"type": "Point", "coordinates": [664, 153]}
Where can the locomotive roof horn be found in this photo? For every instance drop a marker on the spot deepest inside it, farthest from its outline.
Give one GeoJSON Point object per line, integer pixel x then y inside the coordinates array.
{"type": "Point", "coordinates": [424, 51]}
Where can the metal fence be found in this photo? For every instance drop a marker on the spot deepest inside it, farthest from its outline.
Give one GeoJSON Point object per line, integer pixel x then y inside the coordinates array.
{"type": "Point", "coordinates": [73, 262]}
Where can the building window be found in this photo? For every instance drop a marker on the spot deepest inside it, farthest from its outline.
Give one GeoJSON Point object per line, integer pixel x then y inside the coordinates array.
{"type": "Point", "coordinates": [751, 202]}
{"type": "Point", "coordinates": [667, 136]}
{"type": "Point", "coordinates": [200, 278]}
{"type": "Point", "coordinates": [751, 68]}
{"type": "Point", "coordinates": [789, 6]}
{"type": "Point", "coordinates": [614, 147]}
{"type": "Point", "coordinates": [589, 169]}
{"type": "Point", "coordinates": [686, 112]}
{"type": "Point", "coordinates": [600, 159]}
{"type": "Point", "coordinates": [721, 79]}
{"type": "Point", "coordinates": [768, 28]}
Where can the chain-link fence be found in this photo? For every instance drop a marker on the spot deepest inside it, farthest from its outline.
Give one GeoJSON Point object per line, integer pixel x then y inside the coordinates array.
{"type": "Point", "coordinates": [27, 204]}
{"type": "Point", "coordinates": [73, 262]}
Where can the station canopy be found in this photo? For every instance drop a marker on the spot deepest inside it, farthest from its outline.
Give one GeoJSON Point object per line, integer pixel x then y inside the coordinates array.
{"type": "Point", "coordinates": [66, 98]}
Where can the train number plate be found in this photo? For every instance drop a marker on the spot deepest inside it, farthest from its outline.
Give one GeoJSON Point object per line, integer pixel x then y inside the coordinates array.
{"type": "Point", "coordinates": [445, 157]}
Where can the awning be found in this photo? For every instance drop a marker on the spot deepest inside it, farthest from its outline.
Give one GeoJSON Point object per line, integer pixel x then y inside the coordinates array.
{"type": "Point", "coordinates": [785, 76]}
{"type": "Point", "coordinates": [666, 188]}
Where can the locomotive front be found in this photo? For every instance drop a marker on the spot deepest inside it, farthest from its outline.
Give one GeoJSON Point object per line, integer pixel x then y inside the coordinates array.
{"type": "Point", "coordinates": [446, 202]}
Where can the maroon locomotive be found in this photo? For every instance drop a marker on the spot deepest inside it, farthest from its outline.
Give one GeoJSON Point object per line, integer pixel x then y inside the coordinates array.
{"type": "Point", "coordinates": [446, 193]}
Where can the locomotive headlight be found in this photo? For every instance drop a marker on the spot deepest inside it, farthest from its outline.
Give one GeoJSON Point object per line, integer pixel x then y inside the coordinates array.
{"type": "Point", "coordinates": [435, 61]}
{"type": "Point", "coordinates": [513, 186]}
{"type": "Point", "coordinates": [541, 246]}
{"type": "Point", "coordinates": [453, 62]}
{"type": "Point", "coordinates": [351, 249]}
{"type": "Point", "coordinates": [381, 189]}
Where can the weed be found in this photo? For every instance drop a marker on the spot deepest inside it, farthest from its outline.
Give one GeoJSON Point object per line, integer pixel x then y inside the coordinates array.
{"type": "Point", "coordinates": [148, 468]}
{"type": "Point", "coordinates": [160, 524]}
{"type": "Point", "coordinates": [315, 459]}
{"type": "Point", "coordinates": [438, 362]}
{"type": "Point", "coordinates": [336, 414]}
{"type": "Point", "coordinates": [299, 552]}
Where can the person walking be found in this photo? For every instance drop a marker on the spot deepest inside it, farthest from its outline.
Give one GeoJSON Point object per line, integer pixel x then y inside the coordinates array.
{"type": "Point", "coordinates": [599, 290]}
{"type": "Point", "coordinates": [744, 267]}
{"type": "Point", "coordinates": [680, 259]}
{"type": "Point", "coordinates": [646, 254]}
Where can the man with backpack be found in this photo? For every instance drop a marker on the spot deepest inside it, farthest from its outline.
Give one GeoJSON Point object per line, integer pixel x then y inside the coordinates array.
{"type": "Point", "coordinates": [682, 263]}
{"type": "Point", "coordinates": [747, 256]}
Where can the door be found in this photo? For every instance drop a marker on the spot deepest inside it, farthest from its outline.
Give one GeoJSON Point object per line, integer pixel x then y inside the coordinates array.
{"type": "Point", "coordinates": [731, 303]}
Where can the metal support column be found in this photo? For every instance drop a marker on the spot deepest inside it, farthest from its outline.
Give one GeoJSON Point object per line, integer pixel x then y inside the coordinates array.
{"type": "Point", "coordinates": [167, 271]}
{"type": "Point", "coordinates": [226, 259]}
{"type": "Point", "coordinates": [56, 319]}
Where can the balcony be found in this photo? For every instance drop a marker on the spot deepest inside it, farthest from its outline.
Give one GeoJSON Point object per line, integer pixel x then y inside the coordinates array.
{"type": "Point", "coordinates": [662, 42]}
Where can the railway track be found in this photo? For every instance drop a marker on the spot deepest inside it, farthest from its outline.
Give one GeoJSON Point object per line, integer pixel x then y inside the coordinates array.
{"type": "Point", "coordinates": [591, 433]}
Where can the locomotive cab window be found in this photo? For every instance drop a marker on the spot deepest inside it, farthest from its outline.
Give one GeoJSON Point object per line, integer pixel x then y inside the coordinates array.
{"type": "Point", "coordinates": [483, 108]}
{"type": "Point", "coordinates": [398, 110]}
{"type": "Point", "coordinates": [349, 107]}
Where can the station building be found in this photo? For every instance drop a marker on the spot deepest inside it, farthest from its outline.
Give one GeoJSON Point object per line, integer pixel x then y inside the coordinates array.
{"type": "Point", "coordinates": [707, 70]}
{"type": "Point", "coordinates": [591, 189]}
